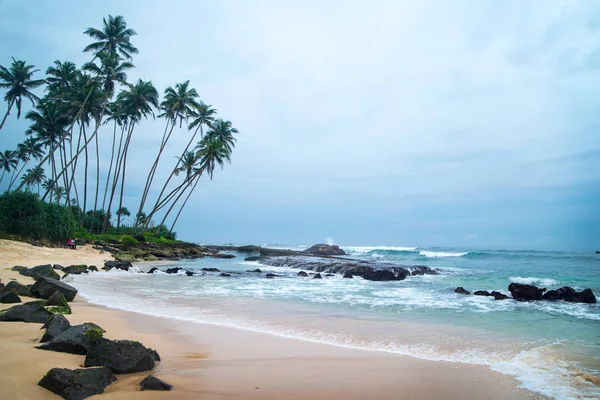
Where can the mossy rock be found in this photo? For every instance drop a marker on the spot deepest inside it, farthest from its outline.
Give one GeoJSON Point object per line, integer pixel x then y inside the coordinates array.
{"type": "Point", "coordinates": [57, 299]}
{"type": "Point", "coordinates": [94, 333]}
{"type": "Point", "coordinates": [18, 268]}
{"type": "Point", "coordinates": [59, 309]}
{"type": "Point", "coordinates": [93, 268]}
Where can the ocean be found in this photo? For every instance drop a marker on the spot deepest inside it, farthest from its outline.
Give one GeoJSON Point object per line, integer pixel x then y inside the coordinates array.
{"type": "Point", "coordinates": [548, 347]}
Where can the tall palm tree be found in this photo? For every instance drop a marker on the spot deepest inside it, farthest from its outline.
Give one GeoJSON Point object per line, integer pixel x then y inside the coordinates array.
{"type": "Point", "coordinates": [117, 114]}
{"type": "Point", "coordinates": [60, 79]}
{"type": "Point", "coordinates": [59, 193]}
{"type": "Point", "coordinates": [30, 148]}
{"type": "Point", "coordinates": [8, 162]}
{"type": "Point", "coordinates": [114, 37]}
{"type": "Point", "coordinates": [19, 82]}
{"type": "Point", "coordinates": [110, 71]}
{"type": "Point", "coordinates": [178, 105]}
{"type": "Point", "coordinates": [223, 130]}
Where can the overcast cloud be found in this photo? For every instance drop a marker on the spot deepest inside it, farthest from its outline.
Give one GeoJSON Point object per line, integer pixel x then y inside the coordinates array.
{"type": "Point", "coordinates": [432, 123]}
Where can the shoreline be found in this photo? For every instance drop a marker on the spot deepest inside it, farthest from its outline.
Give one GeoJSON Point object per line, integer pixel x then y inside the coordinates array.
{"type": "Point", "coordinates": [211, 361]}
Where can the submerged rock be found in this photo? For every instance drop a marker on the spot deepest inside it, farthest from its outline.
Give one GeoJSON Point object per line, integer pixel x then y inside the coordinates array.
{"type": "Point", "coordinates": [224, 274]}
{"type": "Point", "coordinates": [255, 258]}
{"type": "Point", "coordinates": [385, 275]}
{"type": "Point", "coordinates": [153, 269]}
{"type": "Point", "coordinates": [31, 312]}
{"type": "Point", "coordinates": [269, 275]}
{"type": "Point", "coordinates": [302, 273]}
{"type": "Point", "coordinates": [40, 271]}
{"type": "Point", "coordinates": [44, 288]}
{"type": "Point", "coordinates": [461, 290]}
{"type": "Point", "coordinates": [569, 294]}
{"type": "Point", "coordinates": [521, 292]}
{"type": "Point", "coordinates": [173, 270]}
{"type": "Point", "coordinates": [482, 293]}
{"type": "Point", "coordinates": [153, 383]}
{"type": "Point", "coordinates": [222, 255]}
{"type": "Point", "coordinates": [317, 276]}
{"type": "Point", "coordinates": [257, 270]}
{"type": "Point", "coordinates": [325, 250]}
{"type": "Point", "coordinates": [121, 356]}
{"type": "Point", "coordinates": [76, 269]}
{"type": "Point", "coordinates": [9, 298]}
{"type": "Point", "coordinates": [499, 296]}
{"type": "Point", "coordinates": [348, 275]}
{"type": "Point", "coordinates": [211, 269]}
{"type": "Point", "coordinates": [54, 327]}
{"type": "Point", "coordinates": [77, 384]}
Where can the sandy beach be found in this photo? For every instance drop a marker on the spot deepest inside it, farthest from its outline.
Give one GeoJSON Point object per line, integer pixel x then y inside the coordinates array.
{"type": "Point", "coordinates": [214, 362]}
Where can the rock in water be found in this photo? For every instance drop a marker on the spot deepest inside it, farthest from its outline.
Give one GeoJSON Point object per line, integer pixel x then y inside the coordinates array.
{"type": "Point", "coordinates": [77, 384]}
{"type": "Point", "coordinates": [16, 288]}
{"type": "Point", "coordinates": [461, 290]}
{"type": "Point", "coordinates": [254, 258]}
{"type": "Point", "coordinates": [189, 273]}
{"type": "Point", "coordinates": [325, 250]}
{"type": "Point", "coordinates": [271, 275]}
{"type": "Point", "coordinates": [30, 312]}
{"type": "Point", "coordinates": [121, 356]}
{"type": "Point", "coordinates": [76, 269]}
{"type": "Point", "coordinates": [317, 276]}
{"type": "Point", "coordinates": [210, 269]}
{"type": "Point", "coordinates": [481, 293]}
{"type": "Point", "coordinates": [58, 267]}
{"type": "Point", "coordinates": [569, 294]}
{"type": "Point", "coordinates": [222, 255]}
{"type": "Point", "coordinates": [224, 274]}
{"type": "Point", "coordinates": [75, 340]}
{"type": "Point", "coordinates": [41, 271]}
{"type": "Point", "coordinates": [9, 298]}
{"type": "Point", "coordinates": [380, 275]}
{"type": "Point", "coordinates": [499, 296]}
{"type": "Point", "coordinates": [302, 273]}
{"type": "Point", "coordinates": [348, 275]}
{"type": "Point", "coordinates": [153, 383]}
{"type": "Point", "coordinates": [44, 288]}
{"type": "Point", "coordinates": [123, 265]}
{"type": "Point", "coordinates": [152, 270]}
{"type": "Point", "coordinates": [54, 327]}
{"type": "Point", "coordinates": [173, 270]}
{"type": "Point", "coordinates": [521, 292]}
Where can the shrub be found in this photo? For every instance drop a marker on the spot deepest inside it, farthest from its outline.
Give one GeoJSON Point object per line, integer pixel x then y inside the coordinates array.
{"type": "Point", "coordinates": [127, 239]}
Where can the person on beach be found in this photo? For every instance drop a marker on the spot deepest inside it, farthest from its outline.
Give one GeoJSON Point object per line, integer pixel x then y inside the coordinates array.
{"type": "Point", "coordinates": [71, 244]}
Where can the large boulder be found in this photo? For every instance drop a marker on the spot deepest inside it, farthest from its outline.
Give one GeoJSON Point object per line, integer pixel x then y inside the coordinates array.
{"type": "Point", "coordinates": [77, 384]}
{"type": "Point", "coordinates": [44, 288]}
{"type": "Point", "coordinates": [75, 340]}
{"type": "Point", "coordinates": [45, 271]}
{"type": "Point", "coordinates": [9, 298]}
{"type": "Point", "coordinates": [30, 312]}
{"type": "Point", "coordinates": [76, 269]}
{"type": "Point", "coordinates": [461, 290]}
{"type": "Point", "coordinates": [153, 383]}
{"type": "Point", "coordinates": [521, 292]}
{"type": "Point", "coordinates": [58, 300]}
{"type": "Point", "coordinates": [325, 250]}
{"type": "Point", "coordinates": [54, 327]}
{"type": "Point", "coordinates": [16, 288]}
{"type": "Point", "coordinates": [569, 294]}
{"type": "Point", "coordinates": [121, 356]}
{"type": "Point", "coordinates": [123, 265]}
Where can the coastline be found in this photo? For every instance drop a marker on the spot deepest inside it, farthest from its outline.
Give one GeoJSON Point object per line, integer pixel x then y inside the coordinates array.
{"type": "Point", "coordinates": [215, 362]}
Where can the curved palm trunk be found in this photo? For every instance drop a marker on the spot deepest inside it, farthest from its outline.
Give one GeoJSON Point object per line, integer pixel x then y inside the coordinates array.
{"type": "Point", "coordinates": [17, 176]}
{"type": "Point", "coordinates": [85, 176]}
{"type": "Point", "coordinates": [2, 176]}
{"type": "Point", "coordinates": [112, 157]}
{"type": "Point", "coordinates": [97, 185]}
{"type": "Point", "coordinates": [7, 113]}
{"type": "Point", "coordinates": [115, 181]}
{"type": "Point", "coordinates": [182, 206]}
{"type": "Point", "coordinates": [123, 180]}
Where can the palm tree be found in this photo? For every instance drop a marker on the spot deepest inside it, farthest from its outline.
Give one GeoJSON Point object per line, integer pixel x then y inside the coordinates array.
{"type": "Point", "coordinates": [18, 80]}
{"type": "Point", "coordinates": [110, 71]}
{"type": "Point", "coordinates": [59, 193]}
{"type": "Point", "coordinates": [30, 148]}
{"type": "Point", "coordinates": [114, 37]}
{"type": "Point", "coordinates": [8, 162]}
{"type": "Point", "coordinates": [33, 176]}
{"type": "Point", "coordinates": [123, 212]}
{"type": "Point", "coordinates": [116, 113]}
{"type": "Point", "coordinates": [223, 130]}
{"type": "Point", "coordinates": [178, 105]}
{"type": "Point", "coordinates": [60, 79]}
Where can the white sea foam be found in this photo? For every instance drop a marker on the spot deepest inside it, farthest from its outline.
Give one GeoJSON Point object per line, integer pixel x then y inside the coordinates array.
{"type": "Point", "coordinates": [368, 249]}
{"type": "Point", "coordinates": [533, 281]}
{"type": "Point", "coordinates": [440, 254]}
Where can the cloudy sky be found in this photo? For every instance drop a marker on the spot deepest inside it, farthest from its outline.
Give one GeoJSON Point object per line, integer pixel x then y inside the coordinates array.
{"type": "Point", "coordinates": [470, 123]}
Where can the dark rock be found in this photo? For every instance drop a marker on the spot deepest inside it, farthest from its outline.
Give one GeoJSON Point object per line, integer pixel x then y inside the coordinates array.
{"type": "Point", "coordinates": [153, 269]}
{"type": "Point", "coordinates": [302, 273]}
{"type": "Point", "coordinates": [31, 312]}
{"type": "Point", "coordinates": [461, 290]}
{"type": "Point", "coordinates": [154, 354]}
{"type": "Point", "coordinates": [121, 356]}
{"type": "Point", "coordinates": [74, 340]}
{"type": "Point", "coordinates": [76, 269]}
{"type": "Point", "coordinates": [173, 270]}
{"type": "Point", "coordinates": [189, 273]}
{"type": "Point", "coordinates": [325, 250]}
{"type": "Point", "coordinates": [45, 287]}
{"type": "Point", "coordinates": [482, 293]}
{"type": "Point", "coordinates": [45, 271]}
{"type": "Point", "coordinates": [55, 326]}
{"type": "Point", "coordinates": [57, 299]}
{"type": "Point", "coordinates": [211, 269]}
{"type": "Point", "coordinates": [93, 268]}
{"type": "Point", "coordinates": [569, 294]}
{"type": "Point", "coordinates": [222, 255]}
{"type": "Point", "coordinates": [225, 274]}
{"type": "Point", "coordinates": [255, 258]}
{"type": "Point", "coordinates": [317, 276]}
{"type": "Point", "coordinates": [77, 384]}
{"type": "Point", "coordinates": [380, 275]}
{"type": "Point", "coordinates": [329, 274]}
{"type": "Point", "coordinates": [271, 275]}
{"type": "Point", "coordinates": [499, 296]}
{"type": "Point", "coordinates": [58, 267]}
{"type": "Point", "coordinates": [521, 292]}
{"type": "Point", "coordinates": [123, 265]}
{"type": "Point", "coordinates": [18, 268]}
{"type": "Point", "coordinates": [10, 298]}
{"type": "Point", "coordinates": [1, 286]}
{"type": "Point", "coordinates": [153, 383]}
{"type": "Point", "coordinates": [258, 270]}
{"type": "Point", "coordinates": [348, 275]}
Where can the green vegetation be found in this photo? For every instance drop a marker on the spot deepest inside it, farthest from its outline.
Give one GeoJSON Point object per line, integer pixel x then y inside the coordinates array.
{"type": "Point", "coordinates": [59, 309]}
{"type": "Point", "coordinates": [71, 106]}
{"type": "Point", "coordinates": [94, 333]}
{"type": "Point", "coordinates": [129, 240]}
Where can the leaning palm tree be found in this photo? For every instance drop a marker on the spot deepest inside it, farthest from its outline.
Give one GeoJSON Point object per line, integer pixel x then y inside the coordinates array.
{"type": "Point", "coordinates": [18, 79]}
{"type": "Point", "coordinates": [8, 162]}
{"type": "Point", "coordinates": [114, 37]}
{"type": "Point", "coordinates": [30, 148]}
{"type": "Point", "coordinates": [178, 105]}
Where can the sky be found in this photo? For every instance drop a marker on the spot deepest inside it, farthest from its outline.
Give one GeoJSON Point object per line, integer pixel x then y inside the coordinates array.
{"type": "Point", "coordinates": [462, 124]}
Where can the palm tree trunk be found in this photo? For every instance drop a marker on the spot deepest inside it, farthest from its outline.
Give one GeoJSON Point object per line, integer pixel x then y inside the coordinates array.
{"type": "Point", "coordinates": [2, 176]}
{"type": "Point", "coordinates": [17, 176]}
{"type": "Point", "coordinates": [7, 113]}
{"type": "Point", "coordinates": [123, 180]}
{"type": "Point", "coordinates": [117, 173]}
{"type": "Point", "coordinates": [182, 206]}
{"type": "Point", "coordinates": [112, 157]}
{"type": "Point", "coordinates": [85, 177]}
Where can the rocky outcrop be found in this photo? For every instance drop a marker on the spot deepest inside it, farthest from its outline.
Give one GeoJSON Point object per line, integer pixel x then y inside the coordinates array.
{"type": "Point", "coordinates": [569, 294]}
{"type": "Point", "coordinates": [75, 340]}
{"type": "Point", "coordinates": [30, 312]}
{"type": "Point", "coordinates": [152, 251]}
{"type": "Point", "coordinates": [153, 383]}
{"type": "Point", "coordinates": [76, 269]}
{"type": "Point", "coordinates": [499, 296]}
{"type": "Point", "coordinates": [77, 384]}
{"type": "Point", "coordinates": [45, 287]}
{"type": "Point", "coordinates": [521, 292]}
{"type": "Point", "coordinates": [9, 298]}
{"type": "Point", "coordinates": [325, 250]}
{"type": "Point", "coordinates": [122, 265]}
{"type": "Point", "coordinates": [121, 356]}
{"type": "Point", "coordinates": [461, 290]}
{"type": "Point", "coordinates": [54, 327]}
{"type": "Point", "coordinates": [348, 275]}
{"type": "Point", "coordinates": [210, 270]}
{"type": "Point", "coordinates": [189, 273]}
{"type": "Point", "coordinates": [222, 255]}
{"type": "Point", "coordinates": [45, 271]}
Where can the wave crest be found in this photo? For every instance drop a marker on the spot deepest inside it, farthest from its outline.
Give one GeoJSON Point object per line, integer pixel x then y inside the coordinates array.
{"type": "Point", "coordinates": [533, 281]}
{"type": "Point", "coordinates": [439, 254]}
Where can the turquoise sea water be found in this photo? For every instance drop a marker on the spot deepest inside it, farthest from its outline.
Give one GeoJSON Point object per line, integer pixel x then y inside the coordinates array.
{"type": "Point", "coordinates": [547, 346]}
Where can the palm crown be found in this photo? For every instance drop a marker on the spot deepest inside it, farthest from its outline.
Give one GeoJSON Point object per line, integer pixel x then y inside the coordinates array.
{"type": "Point", "coordinates": [114, 37]}
{"type": "Point", "coordinates": [19, 82]}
